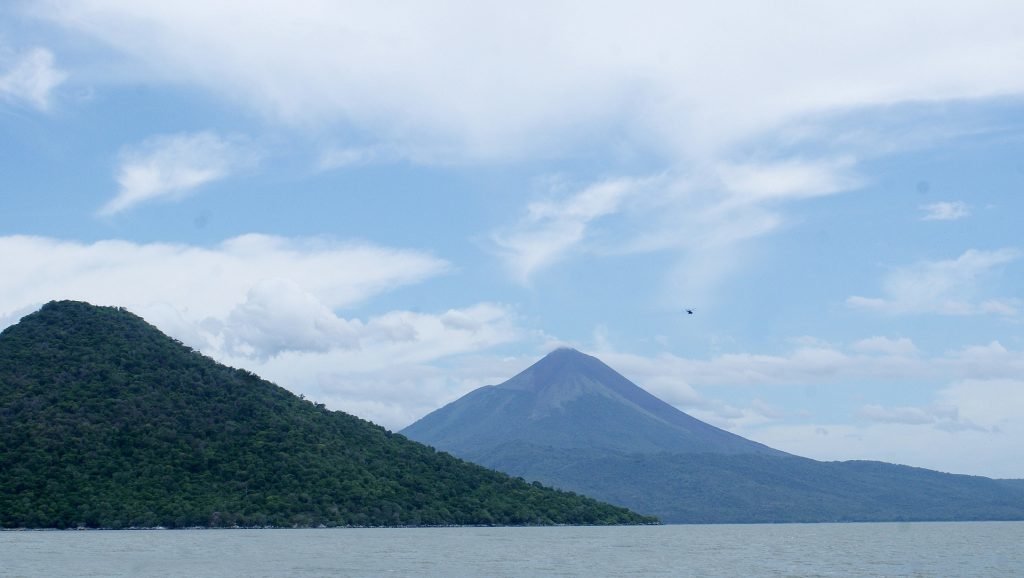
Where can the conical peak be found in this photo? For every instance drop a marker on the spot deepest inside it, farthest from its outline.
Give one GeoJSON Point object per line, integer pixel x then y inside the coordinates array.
{"type": "Point", "coordinates": [562, 366]}
{"type": "Point", "coordinates": [566, 354]}
{"type": "Point", "coordinates": [573, 400]}
{"type": "Point", "coordinates": [566, 358]}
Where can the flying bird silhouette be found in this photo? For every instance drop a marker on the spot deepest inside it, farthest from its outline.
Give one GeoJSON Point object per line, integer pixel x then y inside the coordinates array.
{"type": "Point", "coordinates": [689, 311]}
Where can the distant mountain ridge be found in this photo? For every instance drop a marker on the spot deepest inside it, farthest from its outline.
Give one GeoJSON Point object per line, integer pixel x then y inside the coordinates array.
{"type": "Point", "coordinates": [106, 422]}
{"type": "Point", "coordinates": [574, 423]}
{"type": "Point", "coordinates": [556, 401]}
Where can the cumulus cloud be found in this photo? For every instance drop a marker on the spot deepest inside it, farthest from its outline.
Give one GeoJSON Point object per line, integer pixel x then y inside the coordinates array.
{"type": "Point", "coordinates": [945, 211]}
{"type": "Point", "coordinates": [393, 368]}
{"type": "Point", "coordinates": [278, 315]}
{"type": "Point", "coordinates": [273, 305]}
{"type": "Point", "coordinates": [172, 166]}
{"type": "Point", "coordinates": [950, 287]}
{"type": "Point", "coordinates": [31, 78]}
{"type": "Point", "coordinates": [202, 281]}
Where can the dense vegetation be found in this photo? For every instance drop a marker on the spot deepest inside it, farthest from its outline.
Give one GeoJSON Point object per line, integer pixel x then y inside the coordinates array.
{"type": "Point", "coordinates": [106, 422]}
{"type": "Point", "coordinates": [721, 488]}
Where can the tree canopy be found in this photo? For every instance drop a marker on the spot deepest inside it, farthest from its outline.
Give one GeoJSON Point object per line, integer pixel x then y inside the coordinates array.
{"type": "Point", "coordinates": [107, 422]}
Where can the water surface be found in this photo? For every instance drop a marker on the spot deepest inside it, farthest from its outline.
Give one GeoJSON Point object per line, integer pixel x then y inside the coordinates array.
{"type": "Point", "coordinates": [918, 549]}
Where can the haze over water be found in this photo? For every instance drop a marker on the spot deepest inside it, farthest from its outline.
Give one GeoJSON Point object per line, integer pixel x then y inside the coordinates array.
{"type": "Point", "coordinates": [897, 549]}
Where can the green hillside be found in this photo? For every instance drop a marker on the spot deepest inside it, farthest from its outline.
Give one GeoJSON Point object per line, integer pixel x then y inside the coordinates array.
{"type": "Point", "coordinates": [106, 422]}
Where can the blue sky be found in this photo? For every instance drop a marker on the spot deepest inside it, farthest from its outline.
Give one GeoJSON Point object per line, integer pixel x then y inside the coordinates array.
{"type": "Point", "coordinates": [383, 208]}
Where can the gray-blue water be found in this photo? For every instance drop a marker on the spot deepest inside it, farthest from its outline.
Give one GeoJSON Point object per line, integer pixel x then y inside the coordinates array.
{"type": "Point", "coordinates": [920, 549]}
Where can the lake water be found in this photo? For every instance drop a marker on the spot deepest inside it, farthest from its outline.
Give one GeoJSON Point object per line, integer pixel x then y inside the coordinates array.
{"type": "Point", "coordinates": [918, 549]}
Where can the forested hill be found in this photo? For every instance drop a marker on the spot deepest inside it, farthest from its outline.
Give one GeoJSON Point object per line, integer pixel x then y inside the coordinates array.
{"type": "Point", "coordinates": [106, 422]}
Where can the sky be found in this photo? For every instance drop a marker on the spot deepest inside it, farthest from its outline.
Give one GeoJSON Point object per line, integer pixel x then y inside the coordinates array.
{"type": "Point", "coordinates": [385, 206]}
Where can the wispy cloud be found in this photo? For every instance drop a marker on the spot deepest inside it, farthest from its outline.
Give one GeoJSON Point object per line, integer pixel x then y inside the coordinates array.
{"type": "Point", "coordinates": [172, 166]}
{"type": "Point", "coordinates": [31, 78]}
{"type": "Point", "coordinates": [942, 417]}
{"type": "Point", "coordinates": [970, 425]}
{"type": "Point", "coordinates": [819, 365]}
{"type": "Point", "coordinates": [951, 287]}
{"type": "Point", "coordinates": [704, 217]}
{"type": "Point", "coordinates": [886, 346]}
{"type": "Point", "coordinates": [790, 179]}
{"type": "Point", "coordinates": [551, 229]}
{"type": "Point", "coordinates": [344, 157]}
{"type": "Point", "coordinates": [945, 211]}
{"type": "Point", "coordinates": [514, 81]}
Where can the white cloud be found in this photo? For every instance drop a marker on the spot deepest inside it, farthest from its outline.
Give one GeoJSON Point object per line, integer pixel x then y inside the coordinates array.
{"type": "Point", "coordinates": [499, 80]}
{"type": "Point", "coordinates": [278, 315]}
{"type": "Point", "coordinates": [663, 375]}
{"type": "Point", "coordinates": [870, 360]}
{"type": "Point", "coordinates": [945, 211]}
{"type": "Point", "coordinates": [714, 91]}
{"type": "Point", "coordinates": [397, 394]}
{"type": "Point", "coordinates": [951, 287]}
{"type": "Point", "coordinates": [552, 228]}
{"type": "Point", "coordinates": [270, 304]}
{"type": "Point", "coordinates": [971, 451]}
{"type": "Point", "coordinates": [973, 426]}
{"type": "Point", "coordinates": [907, 415]}
{"type": "Point", "coordinates": [172, 166]}
{"type": "Point", "coordinates": [787, 180]}
{"type": "Point", "coordinates": [200, 282]}
{"type": "Point", "coordinates": [31, 78]}
{"type": "Point", "coordinates": [392, 369]}
{"type": "Point", "coordinates": [971, 422]}
{"type": "Point", "coordinates": [344, 157]}
{"type": "Point", "coordinates": [705, 217]}
{"type": "Point", "coordinates": [997, 404]}
{"type": "Point", "coordinates": [885, 345]}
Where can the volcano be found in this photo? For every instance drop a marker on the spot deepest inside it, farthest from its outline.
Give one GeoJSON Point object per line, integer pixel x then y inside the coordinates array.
{"type": "Point", "coordinates": [572, 422]}
{"type": "Point", "coordinates": [571, 400]}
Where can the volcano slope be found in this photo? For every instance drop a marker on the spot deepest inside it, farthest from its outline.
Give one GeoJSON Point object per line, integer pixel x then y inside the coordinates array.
{"type": "Point", "coordinates": [574, 423]}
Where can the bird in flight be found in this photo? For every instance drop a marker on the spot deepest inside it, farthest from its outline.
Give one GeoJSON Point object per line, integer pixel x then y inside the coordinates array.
{"type": "Point", "coordinates": [689, 311]}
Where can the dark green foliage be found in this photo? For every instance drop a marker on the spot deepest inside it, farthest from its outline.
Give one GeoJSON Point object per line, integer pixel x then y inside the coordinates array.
{"type": "Point", "coordinates": [106, 422]}
{"type": "Point", "coordinates": [747, 488]}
